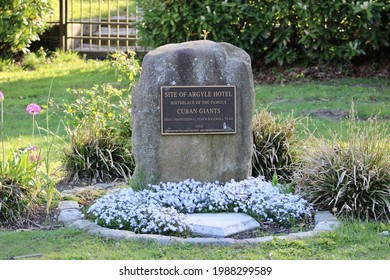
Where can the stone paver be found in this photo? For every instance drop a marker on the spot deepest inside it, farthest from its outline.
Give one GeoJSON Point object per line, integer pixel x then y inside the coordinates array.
{"type": "Point", "coordinates": [220, 224]}
{"type": "Point", "coordinates": [69, 204]}
{"type": "Point", "coordinates": [324, 216]}
{"type": "Point", "coordinates": [326, 225]}
{"type": "Point", "coordinates": [68, 216]}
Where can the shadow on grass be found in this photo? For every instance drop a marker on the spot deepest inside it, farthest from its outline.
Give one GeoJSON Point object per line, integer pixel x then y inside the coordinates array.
{"type": "Point", "coordinates": [35, 88]}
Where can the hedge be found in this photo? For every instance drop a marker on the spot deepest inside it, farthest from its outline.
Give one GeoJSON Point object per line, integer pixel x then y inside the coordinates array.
{"type": "Point", "coordinates": [278, 31]}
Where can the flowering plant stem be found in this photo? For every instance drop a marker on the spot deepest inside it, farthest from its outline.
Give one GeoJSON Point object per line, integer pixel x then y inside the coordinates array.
{"type": "Point", "coordinates": [33, 125]}
{"type": "Point", "coordinates": [2, 133]}
{"type": "Point", "coordinates": [50, 185]}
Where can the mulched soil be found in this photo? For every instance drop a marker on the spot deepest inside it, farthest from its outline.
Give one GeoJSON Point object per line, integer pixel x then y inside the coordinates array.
{"type": "Point", "coordinates": [283, 75]}
{"type": "Point", "coordinates": [331, 114]}
{"type": "Point", "coordinates": [268, 228]}
{"type": "Point", "coordinates": [38, 219]}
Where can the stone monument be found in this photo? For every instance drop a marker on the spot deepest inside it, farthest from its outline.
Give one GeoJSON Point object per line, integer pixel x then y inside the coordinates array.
{"type": "Point", "coordinates": [192, 113]}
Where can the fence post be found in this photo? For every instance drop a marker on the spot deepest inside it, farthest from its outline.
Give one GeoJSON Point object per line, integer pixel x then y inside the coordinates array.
{"type": "Point", "coordinates": [63, 24]}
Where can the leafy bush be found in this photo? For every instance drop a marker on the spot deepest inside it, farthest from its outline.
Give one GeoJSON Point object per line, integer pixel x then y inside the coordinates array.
{"type": "Point", "coordinates": [33, 61]}
{"type": "Point", "coordinates": [99, 127]}
{"type": "Point", "coordinates": [20, 184]}
{"type": "Point", "coordinates": [351, 177]}
{"type": "Point", "coordinates": [277, 31]}
{"type": "Point", "coordinates": [273, 137]}
{"type": "Point", "coordinates": [100, 132]}
{"type": "Point", "coordinates": [126, 67]}
{"type": "Point", "coordinates": [21, 21]}
{"type": "Point", "coordinates": [171, 21]}
{"type": "Point", "coordinates": [341, 30]}
{"type": "Point", "coordinates": [162, 208]}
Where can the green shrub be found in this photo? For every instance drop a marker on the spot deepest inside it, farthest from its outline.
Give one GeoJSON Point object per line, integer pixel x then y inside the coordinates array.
{"type": "Point", "coordinates": [351, 177]}
{"type": "Point", "coordinates": [99, 127]}
{"type": "Point", "coordinates": [64, 57]}
{"type": "Point", "coordinates": [278, 31]}
{"type": "Point", "coordinates": [273, 138]}
{"type": "Point", "coordinates": [6, 64]}
{"type": "Point", "coordinates": [126, 67]}
{"type": "Point", "coordinates": [173, 21]}
{"type": "Point", "coordinates": [21, 21]}
{"type": "Point", "coordinates": [100, 133]}
{"type": "Point", "coordinates": [32, 61]}
{"type": "Point", "coordinates": [340, 30]}
{"type": "Point", "coordinates": [20, 184]}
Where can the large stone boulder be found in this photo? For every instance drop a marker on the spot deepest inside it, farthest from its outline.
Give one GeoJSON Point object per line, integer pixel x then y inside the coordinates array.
{"type": "Point", "coordinates": [203, 157]}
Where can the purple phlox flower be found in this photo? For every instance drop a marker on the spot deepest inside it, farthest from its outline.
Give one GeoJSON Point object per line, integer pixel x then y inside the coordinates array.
{"type": "Point", "coordinates": [33, 109]}
{"type": "Point", "coordinates": [1, 96]}
{"type": "Point", "coordinates": [33, 148]}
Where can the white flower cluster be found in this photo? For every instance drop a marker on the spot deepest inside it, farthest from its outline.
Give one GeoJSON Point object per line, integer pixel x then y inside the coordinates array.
{"type": "Point", "coordinates": [162, 208]}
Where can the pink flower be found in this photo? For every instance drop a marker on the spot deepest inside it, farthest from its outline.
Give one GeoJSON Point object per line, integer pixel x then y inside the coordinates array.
{"type": "Point", "coordinates": [33, 109]}
{"type": "Point", "coordinates": [34, 157]}
{"type": "Point", "coordinates": [1, 96]}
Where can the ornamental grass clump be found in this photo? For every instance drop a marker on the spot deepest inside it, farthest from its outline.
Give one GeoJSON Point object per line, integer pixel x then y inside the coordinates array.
{"type": "Point", "coordinates": [273, 140]}
{"type": "Point", "coordinates": [162, 208]}
{"type": "Point", "coordinates": [20, 185]}
{"type": "Point", "coordinates": [350, 177]}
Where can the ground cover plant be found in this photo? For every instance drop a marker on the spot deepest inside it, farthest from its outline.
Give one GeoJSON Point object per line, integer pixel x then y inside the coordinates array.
{"type": "Point", "coordinates": [162, 208]}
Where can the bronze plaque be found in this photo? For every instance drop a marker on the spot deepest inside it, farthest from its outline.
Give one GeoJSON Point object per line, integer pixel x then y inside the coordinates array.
{"type": "Point", "coordinates": [198, 110]}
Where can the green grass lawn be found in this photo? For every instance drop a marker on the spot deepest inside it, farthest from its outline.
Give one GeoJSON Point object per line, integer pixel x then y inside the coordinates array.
{"type": "Point", "coordinates": [24, 87]}
{"type": "Point", "coordinates": [368, 96]}
{"type": "Point", "coordinates": [20, 88]}
{"type": "Point", "coordinates": [352, 241]}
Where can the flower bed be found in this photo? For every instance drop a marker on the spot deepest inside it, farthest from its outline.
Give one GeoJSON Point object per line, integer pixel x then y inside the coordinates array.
{"type": "Point", "coordinates": [162, 208]}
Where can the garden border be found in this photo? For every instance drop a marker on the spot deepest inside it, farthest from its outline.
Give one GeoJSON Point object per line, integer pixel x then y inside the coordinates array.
{"type": "Point", "coordinates": [71, 216]}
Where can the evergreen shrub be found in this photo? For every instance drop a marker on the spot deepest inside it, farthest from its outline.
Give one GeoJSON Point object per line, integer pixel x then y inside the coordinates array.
{"type": "Point", "coordinates": [280, 31]}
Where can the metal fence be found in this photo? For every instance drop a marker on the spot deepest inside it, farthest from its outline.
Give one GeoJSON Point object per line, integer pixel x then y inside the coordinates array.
{"type": "Point", "coordinates": [96, 27]}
